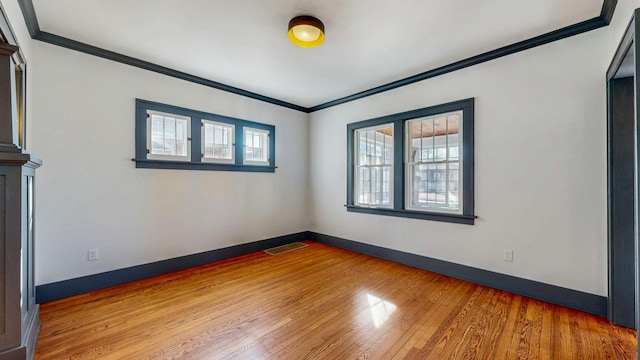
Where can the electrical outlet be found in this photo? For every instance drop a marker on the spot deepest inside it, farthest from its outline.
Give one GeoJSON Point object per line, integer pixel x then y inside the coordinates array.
{"type": "Point", "coordinates": [508, 255]}
{"type": "Point", "coordinates": [92, 255]}
{"type": "Point", "coordinates": [313, 222]}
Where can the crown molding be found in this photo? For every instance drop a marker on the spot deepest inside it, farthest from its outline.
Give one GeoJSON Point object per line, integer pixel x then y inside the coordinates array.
{"type": "Point", "coordinates": [604, 19]}
{"type": "Point", "coordinates": [31, 20]}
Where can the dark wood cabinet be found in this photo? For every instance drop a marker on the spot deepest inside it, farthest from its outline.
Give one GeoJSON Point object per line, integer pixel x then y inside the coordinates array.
{"type": "Point", "coordinates": [19, 320]}
{"type": "Point", "coordinates": [19, 312]}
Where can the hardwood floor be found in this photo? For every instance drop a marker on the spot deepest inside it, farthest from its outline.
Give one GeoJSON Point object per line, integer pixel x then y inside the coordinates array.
{"type": "Point", "coordinates": [319, 302]}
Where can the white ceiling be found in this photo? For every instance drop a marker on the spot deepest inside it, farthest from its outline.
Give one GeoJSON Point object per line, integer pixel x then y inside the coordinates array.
{"type": "Point", "coordinates": [243, 43]}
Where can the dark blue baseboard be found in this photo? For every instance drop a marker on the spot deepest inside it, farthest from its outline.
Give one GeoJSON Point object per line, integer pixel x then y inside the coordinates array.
{"type": "Point", "coordinates": [65, 288]}
{"type": "Point", "coordinates": [574, 299]}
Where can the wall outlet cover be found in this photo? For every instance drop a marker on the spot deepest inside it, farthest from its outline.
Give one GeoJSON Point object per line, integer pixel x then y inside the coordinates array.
{"type": "Point", "coordinates": [92, 254]}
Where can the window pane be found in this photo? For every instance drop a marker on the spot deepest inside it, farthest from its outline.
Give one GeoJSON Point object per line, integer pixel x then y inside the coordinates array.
{"type": "Point", "coordinates": [256, 147]}
{"type": "Point", "coordinates": [453, 129]}
{"type": "Point", "coordinates": [453, 151]}
{"type": "Point", "coordinates": [363, 193]}
{"type": "Point", "coordinates": [168, 136]}
{"type": "Point", "coordinates": [433, 164]}
{"type": "Point", "coordinates": [435, 186]}
{"type": "Point", "coordinates": [440, 139]}
{"type": "Point", "coordinates": [373, 161]}
{"type": "Point", "coordinates": [208, 141]}
{"type": "Point", "coordinates": [454, 184]}
{"type": "Point", "coordinates": [217, 141]}
{"type": "Point", "coordinates": [157, 134]}
{"type": "Point", "coordinates": [387, 148]}
{"type": "Point", "coordinates": [181, 138]}
{"type": "Point", "coordinates": [361, 158]}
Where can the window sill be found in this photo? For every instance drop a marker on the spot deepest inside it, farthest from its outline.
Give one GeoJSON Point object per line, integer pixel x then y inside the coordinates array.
{"type": "Point", "coordinates": [452, 218]}
{"type": "Point", "coordinates": [186, 165]}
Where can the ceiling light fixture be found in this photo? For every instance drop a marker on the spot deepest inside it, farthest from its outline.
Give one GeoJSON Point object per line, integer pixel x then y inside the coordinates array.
{"type": "Point", "coordinates": [306, 31]}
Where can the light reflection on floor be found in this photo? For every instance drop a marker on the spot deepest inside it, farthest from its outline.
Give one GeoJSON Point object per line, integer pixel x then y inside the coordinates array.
{"type": "Point", "coordinates": [380, 310]}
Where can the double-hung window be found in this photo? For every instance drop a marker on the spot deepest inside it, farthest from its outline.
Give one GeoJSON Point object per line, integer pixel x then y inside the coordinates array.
{"type": "Point", "coordinates": [416, 164]}
{"type": "Point", "coordinates": [171, 137]}
{"type": "Point", "coordinates": [374, 166]}
{"type": "Point", "coordinates": [433, 165]}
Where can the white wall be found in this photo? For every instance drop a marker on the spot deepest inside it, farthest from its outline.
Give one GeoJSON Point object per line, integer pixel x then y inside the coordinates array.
{"type": "Point", "coordinates": [546, 200]}
{"type": "Point", "coordinates": [540, 164]}
{"type": "Point", "coordinates": [90, 195]}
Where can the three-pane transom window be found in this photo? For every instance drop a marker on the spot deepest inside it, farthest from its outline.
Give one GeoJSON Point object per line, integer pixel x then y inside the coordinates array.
{"type": "Point", "coordinates": [172, 137]}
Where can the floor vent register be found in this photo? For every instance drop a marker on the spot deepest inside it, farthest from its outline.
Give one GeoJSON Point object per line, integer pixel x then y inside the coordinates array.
{"type": "Point", "coordinates": [285, 248]}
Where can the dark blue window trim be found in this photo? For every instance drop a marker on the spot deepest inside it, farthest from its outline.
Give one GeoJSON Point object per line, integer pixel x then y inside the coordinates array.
{"type": "Point", "coordinates": [196, 140]}
{"type": "Point", "coordinates": [467, 217]}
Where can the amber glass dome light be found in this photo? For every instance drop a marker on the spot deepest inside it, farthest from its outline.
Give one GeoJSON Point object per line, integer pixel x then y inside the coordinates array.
{"type": "Point", "coordinates": [306, 31]}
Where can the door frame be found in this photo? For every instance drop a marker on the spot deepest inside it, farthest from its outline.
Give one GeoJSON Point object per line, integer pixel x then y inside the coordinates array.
{"type": "Point", "coordinates": [628, 43]}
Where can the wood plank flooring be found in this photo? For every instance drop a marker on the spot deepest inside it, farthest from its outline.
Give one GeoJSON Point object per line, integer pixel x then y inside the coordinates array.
{"type": "Point", "coordinates": [319, 302]}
